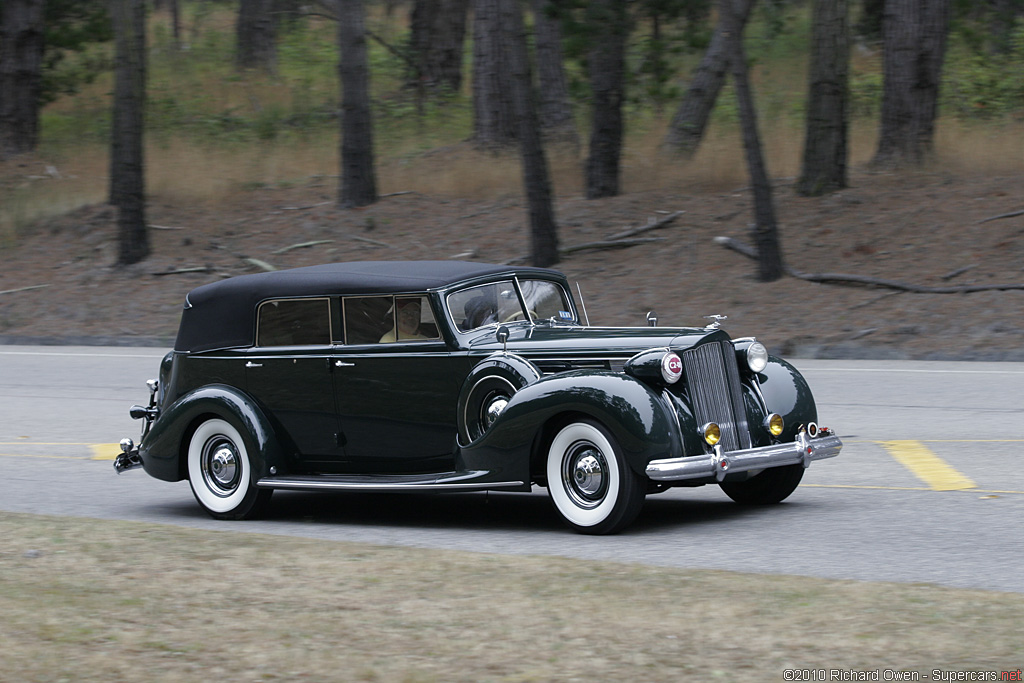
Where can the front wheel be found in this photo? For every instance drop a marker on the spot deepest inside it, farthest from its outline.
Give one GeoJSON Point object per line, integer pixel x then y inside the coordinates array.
{"type": "Point", "coordinates": [590, 484]}
{"type": "Point", "coordinates": [220, 472]}
{"type": "Point", "coordinates": [769, 487]}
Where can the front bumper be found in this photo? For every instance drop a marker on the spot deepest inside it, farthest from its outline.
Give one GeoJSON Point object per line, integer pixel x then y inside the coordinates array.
{"type": "Point", "coordinates": [803, 451]}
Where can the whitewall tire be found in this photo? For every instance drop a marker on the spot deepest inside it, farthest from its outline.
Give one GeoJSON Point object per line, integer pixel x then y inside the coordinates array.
{"type": "Point", "coordinates": [590, 484]}
{"type": "Point", "coordinates": [220, 472]}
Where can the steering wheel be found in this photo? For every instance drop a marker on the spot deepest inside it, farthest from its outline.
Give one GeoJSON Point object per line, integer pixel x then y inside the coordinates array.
{"type": "Point", "coordinates": [518, 315]}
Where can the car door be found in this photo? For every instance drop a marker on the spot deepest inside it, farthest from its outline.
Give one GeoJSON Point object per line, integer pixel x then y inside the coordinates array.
{"type": "Point", "coordinates": [396, 392]}
{"type": "Point", "coordinates": [289, 372]}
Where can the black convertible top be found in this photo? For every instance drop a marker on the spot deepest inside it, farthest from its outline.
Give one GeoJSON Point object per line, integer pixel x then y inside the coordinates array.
{"type": "Point", "coordinates": [222, 314]}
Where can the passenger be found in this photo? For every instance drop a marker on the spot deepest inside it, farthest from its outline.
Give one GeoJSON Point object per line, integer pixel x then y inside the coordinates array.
{"type": "Point", "coordinates": [408, 322]}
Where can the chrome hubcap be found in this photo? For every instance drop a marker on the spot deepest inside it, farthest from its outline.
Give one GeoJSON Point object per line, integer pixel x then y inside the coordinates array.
{"type": "Point", "coordinates": [220, 466]}
{"type": "Point", "coordinates": [493, 410]}
{"type": "Point", "coordinates": [584, 474]}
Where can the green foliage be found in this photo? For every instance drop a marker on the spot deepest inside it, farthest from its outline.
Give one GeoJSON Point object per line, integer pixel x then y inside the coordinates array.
{"type": "Point", "coordinates": [978, 83]}
{"type": "Point", "coordinates": [196, 92]}
{"type": "Point", "coordinates": [72, 28]}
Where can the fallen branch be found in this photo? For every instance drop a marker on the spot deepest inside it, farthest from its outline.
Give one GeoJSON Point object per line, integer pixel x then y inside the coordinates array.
{"type": "Point", "coordinates": [262, 265]}
{"type": "Point", "coordinates": [845, 279]}
{"type": "Point", "coordinates": [396, 194]}
{"type": "Point", "coordinates": [303, 208]}
{"type": "Point", "coordinates": [1002, 215]}
{"type": "Point", "coordinates": [163, 227]}
{"type": "Point", "coordinates": [368, 240]}
{"type": "Point", "coordinates": [182, 271]}
{"type": "Point", "coordinates": [23, 289]}
{"type": "Point", "coordinates": [609, 244]}
{"type": "Point", "coordinates": [736, 245]}
{"type": "Point", "coordinates": [300, 245]}
{"type": "Point", "coordinates": [652, 225]}
{"type": "Point", "coordinates": [958, 271]}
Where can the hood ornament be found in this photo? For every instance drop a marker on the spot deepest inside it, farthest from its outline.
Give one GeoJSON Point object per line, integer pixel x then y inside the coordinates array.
{"type": "Point", "coordinates": [717, 321]}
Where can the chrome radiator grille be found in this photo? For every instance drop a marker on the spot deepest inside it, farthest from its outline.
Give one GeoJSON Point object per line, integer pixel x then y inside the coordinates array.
{"type": "Point", "coordinates": [714, 382]}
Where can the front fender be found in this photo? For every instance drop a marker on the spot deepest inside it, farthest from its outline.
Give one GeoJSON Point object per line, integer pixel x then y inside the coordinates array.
{"type": "Point", "coordinates": [786, 392]}
{"type": "Point", "coordinates": [641, 421]}
{"type": "Point", "coordinates": [162, 451]}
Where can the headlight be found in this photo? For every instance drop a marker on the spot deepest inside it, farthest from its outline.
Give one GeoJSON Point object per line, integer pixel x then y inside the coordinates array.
{"type": "Point", "coordinates": [712, 433]}
{"type": "Point", "coordinates": [671, 368]}
{"type": "Point", "coordinates": [757, 357]}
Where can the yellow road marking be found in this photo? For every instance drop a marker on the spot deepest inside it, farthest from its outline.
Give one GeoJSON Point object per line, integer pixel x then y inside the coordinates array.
{"type": "Point", "coordinates": [928, 467]}
{"type": "Point", "coordinates": [45, 443]}
{"type": "Point", "coordinates": [105, 451]}
{"type": "Point", "coordinates": [898, 488]}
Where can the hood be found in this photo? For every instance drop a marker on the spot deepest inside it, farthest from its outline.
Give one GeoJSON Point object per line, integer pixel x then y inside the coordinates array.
{"type": "Point", "coordinates": [597, 342]}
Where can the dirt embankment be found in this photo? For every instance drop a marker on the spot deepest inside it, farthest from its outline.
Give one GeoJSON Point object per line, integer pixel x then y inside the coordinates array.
{"type": "Point", "coordinates": [58, 283]}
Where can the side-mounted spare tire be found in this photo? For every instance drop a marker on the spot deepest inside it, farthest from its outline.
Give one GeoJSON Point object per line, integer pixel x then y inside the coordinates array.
{"type": "Point", "coordinates": [488, 388]}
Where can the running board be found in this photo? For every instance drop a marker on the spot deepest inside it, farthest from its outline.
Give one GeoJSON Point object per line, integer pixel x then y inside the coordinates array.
{"type": "Point", "coordinates": [444, 481]}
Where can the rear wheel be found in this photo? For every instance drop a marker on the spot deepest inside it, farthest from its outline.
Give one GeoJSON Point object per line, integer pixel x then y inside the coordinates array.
{"type": "Point", "coordinates": [221, 474]}
{"type": "Point", "coordinates": [771, 486]}
{"type": "Point", "coordinates": [591, 485]}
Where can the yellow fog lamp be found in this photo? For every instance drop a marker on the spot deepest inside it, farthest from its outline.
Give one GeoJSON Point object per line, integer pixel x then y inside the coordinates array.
{"type": "Point", "coordinates": [774, 424]}
{"type": "Point", "coordinates": [712, 433]}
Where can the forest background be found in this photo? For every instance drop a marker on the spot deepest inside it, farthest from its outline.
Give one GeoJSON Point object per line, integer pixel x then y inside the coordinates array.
{"type": "Point", "coordinates": [242, 168]}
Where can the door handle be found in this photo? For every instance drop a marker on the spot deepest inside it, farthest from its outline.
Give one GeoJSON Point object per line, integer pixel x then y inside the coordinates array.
{"type": "Point", "coordinates": [343, 364]}
{"type": "Point", "coordinates": [250, 364]}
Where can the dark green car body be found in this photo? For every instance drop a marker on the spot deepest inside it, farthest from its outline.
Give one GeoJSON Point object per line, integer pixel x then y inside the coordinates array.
{"type": "Point", "coordinates": [279, 381]}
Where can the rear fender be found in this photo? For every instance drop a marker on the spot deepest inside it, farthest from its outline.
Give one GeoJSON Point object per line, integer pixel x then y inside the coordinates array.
{"type": "Point", "coordinates": [162, 451]}
{"type": "Point", "coordinates": [641, 421]}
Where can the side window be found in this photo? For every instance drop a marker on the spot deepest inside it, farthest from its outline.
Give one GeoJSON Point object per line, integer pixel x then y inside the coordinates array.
{"type": "Point", "coordinates": [366, 318]}
{"type": "Point", "coordinates": [386, 319]}
{"type": "Point", "coordinates": [294, 322]}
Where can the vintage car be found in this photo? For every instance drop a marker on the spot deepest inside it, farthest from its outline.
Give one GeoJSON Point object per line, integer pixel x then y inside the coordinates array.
{"type": "Point", "coordinates": [456, 376]}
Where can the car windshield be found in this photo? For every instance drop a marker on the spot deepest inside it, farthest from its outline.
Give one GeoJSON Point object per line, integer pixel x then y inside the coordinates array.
{"type": "Point", "coordinates": [497, 303]}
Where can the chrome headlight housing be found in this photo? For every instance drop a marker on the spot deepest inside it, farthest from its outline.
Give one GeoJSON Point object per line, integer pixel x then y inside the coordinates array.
{"type": "Point", "coordinates": [757, 357]}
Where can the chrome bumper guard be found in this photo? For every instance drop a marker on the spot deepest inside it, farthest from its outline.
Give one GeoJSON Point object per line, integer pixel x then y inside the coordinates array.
{"type": "Point", "coordinates": [127, 461]}
{"type": "Point", "coordinates": [803, 451]}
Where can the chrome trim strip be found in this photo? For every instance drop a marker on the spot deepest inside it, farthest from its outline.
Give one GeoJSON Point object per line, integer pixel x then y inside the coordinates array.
{"type": "Point", "coordinates": [803, 451]}
{"type": "Point", "coordinates": [313, 484]}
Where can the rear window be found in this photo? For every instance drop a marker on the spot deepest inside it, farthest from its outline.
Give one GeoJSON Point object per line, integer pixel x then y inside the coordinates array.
{"type": "Point", "coordinates": [294, 322]}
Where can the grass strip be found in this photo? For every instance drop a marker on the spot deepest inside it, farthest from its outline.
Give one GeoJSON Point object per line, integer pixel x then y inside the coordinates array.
{"type": "Point", "coordinates": [88, 600]}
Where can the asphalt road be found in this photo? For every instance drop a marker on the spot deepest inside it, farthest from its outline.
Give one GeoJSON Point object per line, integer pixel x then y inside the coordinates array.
{"type": "Point", "coordinates": [928, 488]}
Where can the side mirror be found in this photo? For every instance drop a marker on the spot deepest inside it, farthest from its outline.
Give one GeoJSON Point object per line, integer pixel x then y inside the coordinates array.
{"type": "Point", "coordinates": [501, 334]}
{"type": "Point", "coordinates": [652, 319]}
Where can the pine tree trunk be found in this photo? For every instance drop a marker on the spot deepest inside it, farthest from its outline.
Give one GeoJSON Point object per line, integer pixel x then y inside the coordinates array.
{"type": "Point", "coordinates": [556, 117]}
{"type": "Point", "coordinates": [256, 46]}
{"type": "Point", "coordinates": [127, 181]}
{"type": "Point", "coordinates": [914, 38]}
{"type": "Point", "coordinates": [824, 167]}
{"type": "Point", "coordinates": [176, 23]}
{"type": "Point", "coordinates": [691, 119]}
{"type": "Point", "coordinates": [765, 230]}
{"type": "Point", "coordinates": [21, 60]}
{"type": "Point", "coordinates": [493, 122]}
{"type": "Point", "coordinates": [606, 61]}
{"type": "Point", "coordinates": [358, 179]}
{"type": "Point", "coordinates": [543, 230]}
{"type": "Point", "coordinates": [437, 35]}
